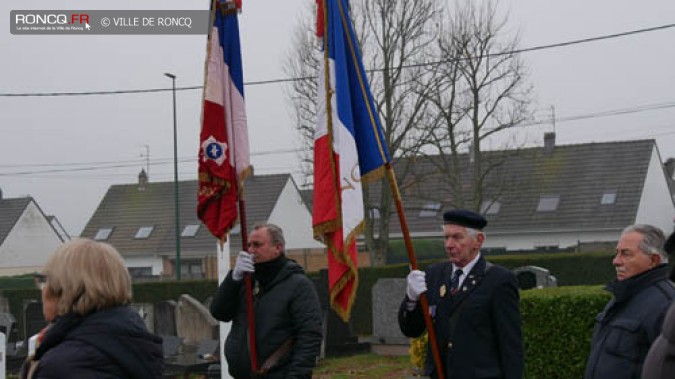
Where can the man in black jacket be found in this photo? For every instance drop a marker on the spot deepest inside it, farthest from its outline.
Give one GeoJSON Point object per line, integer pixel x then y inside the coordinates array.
{"type": "Point", "coordinates": [632, 319]}
{"type": "Point", "coordinates": [288, 317]}
{"type": "Point", "coordinates": [474, 305]}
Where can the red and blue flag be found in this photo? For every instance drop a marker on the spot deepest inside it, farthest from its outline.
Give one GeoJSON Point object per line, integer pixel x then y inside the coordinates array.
{"type": "Point", "coordinates": [349, 147]}
{"type": "Point", "coordinates": [224, 150]}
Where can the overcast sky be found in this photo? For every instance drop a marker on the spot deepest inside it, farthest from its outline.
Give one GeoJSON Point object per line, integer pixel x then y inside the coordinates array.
{"type": "Point", "coordinates": [48, 145]}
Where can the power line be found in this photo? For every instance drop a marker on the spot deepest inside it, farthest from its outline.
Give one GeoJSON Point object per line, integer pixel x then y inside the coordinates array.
{"type": "Point", "coordinates": [108, 165]}
{"type": "Point", "coordinates": [284, 80]}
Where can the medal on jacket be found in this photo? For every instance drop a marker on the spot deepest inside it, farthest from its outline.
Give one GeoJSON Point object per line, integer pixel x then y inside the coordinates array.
{"type": "Point", "coordinates": [443, 290]}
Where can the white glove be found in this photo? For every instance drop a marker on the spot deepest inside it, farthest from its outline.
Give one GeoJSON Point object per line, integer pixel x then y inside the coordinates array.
{"type": "Point", "coordinates": [417, 284]}
{"type": "Point", "coordinates": [242, 265]}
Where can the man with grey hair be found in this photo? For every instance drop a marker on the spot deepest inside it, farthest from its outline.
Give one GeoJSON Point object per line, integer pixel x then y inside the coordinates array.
{"type": "Point", "coordinates": [474, 305]}
{"type": "Point", "coordinates": [632, 319]}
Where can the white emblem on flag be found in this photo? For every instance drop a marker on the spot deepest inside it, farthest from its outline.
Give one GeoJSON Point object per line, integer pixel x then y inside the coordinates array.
{"type": "Point", "coordinates": [214, 150]}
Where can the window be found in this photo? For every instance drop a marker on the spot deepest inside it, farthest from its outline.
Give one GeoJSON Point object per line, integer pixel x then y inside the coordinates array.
{"type": "Point", "coordinates": [490, 207]}
{"type": "Point", "coordinates": [548, 203]}
{"type": "Point", "coordinates": [139, 272]}
{"type": "Point", "coordinates": [144, 232]}
{"type": "Point", "coordinates": [103, 234]}
{"type": "Point", "coordinates": [190, 230]}
{"type": "Point", "coordinates": [608, 197]}
{"type": "Point", "coordinates": [430, 209]}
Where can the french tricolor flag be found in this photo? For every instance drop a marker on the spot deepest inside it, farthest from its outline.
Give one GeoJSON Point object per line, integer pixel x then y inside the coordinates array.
{"type": "Point", "coordinates": [224, 150]}
{"type": "Point", "coordinates": [349, 148]}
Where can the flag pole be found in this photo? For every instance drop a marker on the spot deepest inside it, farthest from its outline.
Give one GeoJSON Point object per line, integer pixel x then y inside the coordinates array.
{"type": "Point", "coordinates": [399, 205]}
{"type": "Point", "coordinates": [248, 281]}
{"type": "Point", "coordinates": [413, 266]}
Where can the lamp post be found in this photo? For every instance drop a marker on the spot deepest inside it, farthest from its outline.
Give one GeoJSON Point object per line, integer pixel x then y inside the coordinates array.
{"type": "Point", "coordinates": [175, 176]}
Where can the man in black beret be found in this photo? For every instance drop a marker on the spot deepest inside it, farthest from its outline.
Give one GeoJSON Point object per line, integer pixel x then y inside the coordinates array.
{"type": "Point", "coordinates": [474, 305]}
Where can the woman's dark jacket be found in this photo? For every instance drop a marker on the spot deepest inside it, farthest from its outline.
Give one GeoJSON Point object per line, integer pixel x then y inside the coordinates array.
{"type": "Point", "coordinates": [286, 306]}
{"type": "Point", "coordinates": [660, 361]}
{"type": "Point", "coordinates": [112, 343]}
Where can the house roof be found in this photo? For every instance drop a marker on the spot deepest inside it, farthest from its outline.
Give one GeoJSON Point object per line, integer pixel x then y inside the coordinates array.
{"type": "Point", "coordinates": [10, 211]}
{"type": "Point", "coordinates": [578, 175]}
{"type": "Point", "coordinates": [125, 208]}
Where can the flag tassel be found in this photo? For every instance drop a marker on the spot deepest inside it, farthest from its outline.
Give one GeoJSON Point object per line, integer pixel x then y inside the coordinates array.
{"type": "Point", "coordinates": [413, 266]}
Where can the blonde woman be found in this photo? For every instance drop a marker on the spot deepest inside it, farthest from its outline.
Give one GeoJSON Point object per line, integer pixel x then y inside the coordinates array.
{"type": "Point", "coordinates": [92, 332]}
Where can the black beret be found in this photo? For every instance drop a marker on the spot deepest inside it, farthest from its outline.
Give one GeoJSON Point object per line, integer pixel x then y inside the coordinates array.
{"type": "Point", "coordinates": [466, 218]}
{"type": "Point", "coordinates": [669, 247]}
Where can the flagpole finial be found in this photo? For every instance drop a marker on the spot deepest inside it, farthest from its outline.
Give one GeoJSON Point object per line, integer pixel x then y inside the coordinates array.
{"type": "Point", "coordinates": [228, 7]}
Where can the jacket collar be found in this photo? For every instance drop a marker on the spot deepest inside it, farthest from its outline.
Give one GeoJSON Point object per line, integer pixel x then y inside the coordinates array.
{"type": "Point", "coordinates": [625, 289]}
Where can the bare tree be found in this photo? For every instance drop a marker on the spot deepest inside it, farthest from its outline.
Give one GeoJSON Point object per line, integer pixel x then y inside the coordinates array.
{"type": "Point", "coordinates": [303, 66]}
{"type": "Point", "coordinates": [395, 39]}
{"type": "Point", "coordinates": [480, 91]}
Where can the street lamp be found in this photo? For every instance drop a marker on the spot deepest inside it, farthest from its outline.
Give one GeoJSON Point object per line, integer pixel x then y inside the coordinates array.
{"type": "Point", "coordinates": [175, 176]}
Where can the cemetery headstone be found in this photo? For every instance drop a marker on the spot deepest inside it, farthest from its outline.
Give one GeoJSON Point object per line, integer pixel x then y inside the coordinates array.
{"type": "Point", "coordinates": [165, 318]}
{"type": "Point", "coordinates": [194, 322]}
{"type": "Point", "coordinates": [534, 277]}
{"type": "Point", "coordinates": [3, 354]}
{"type": "Point", "coordinates": [387, 338]}
{"type": "Point", "coordinates": [33, 319]}
{"type": "Point", "coordinates": [4, 305]}
{"type": "Point", "coordinates": [147, 313]}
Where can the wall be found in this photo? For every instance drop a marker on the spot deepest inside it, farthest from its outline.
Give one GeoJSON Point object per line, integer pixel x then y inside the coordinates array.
{"type": "Point", "coordinates": [148, 261]}
{"type": "Point", "coordinates": [291, 214]}
{"type": "Point", "coordinates": [656, 205]}
{"type": "Point", "coordinates": [28, 244]}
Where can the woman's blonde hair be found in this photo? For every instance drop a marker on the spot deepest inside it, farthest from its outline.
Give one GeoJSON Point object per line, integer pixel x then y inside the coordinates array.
{"type": "Point", "coordinates": [87, 276]}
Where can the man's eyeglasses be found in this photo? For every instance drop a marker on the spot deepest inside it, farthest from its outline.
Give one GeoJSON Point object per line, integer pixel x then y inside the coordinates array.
{"type": "Point", "coordinates": [40, 280]}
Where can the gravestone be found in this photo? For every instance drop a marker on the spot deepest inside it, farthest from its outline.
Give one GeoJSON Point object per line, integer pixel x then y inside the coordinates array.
{"type": "Point", "coordinates": [338, 338]}
{"type": "Point", "coordinates": [194, 322]}
{"type": "Point", "coordinates": [3, 354]}
{"type": "Point", "coordinates": [8, 326]}
{"type": "Point", "coordinates": [147, 313]}
{"type": "Point", "coordinates": [165, 318]}
{"type": "Point", "coordinates": [534, 277]}
{"type": "Point", "coordinates": [33, 319]}
{"type": "Point", "coordinates": [4, 305]}
{"type": "Point", "coordinates": [387, 338]}
{"type": "Point", "coordinates": [171, 345]}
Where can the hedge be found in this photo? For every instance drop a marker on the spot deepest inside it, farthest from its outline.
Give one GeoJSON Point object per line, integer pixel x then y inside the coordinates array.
{"type": "Point", "coordinates": [557, 329]}
{"type": "Point", "coordinates": [569, 269]}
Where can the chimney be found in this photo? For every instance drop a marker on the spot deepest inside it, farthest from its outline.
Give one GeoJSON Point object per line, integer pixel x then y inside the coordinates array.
{"type": "Point", "coordinates": [142, 180]}
{"type": "Point", "coordinates": [549, 143]}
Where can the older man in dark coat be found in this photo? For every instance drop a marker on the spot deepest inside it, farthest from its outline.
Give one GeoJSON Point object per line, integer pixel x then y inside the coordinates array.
{"type": "Point", "coordinates": [474, 304]}
{"type": "Point", "coordinates": [632, 319]}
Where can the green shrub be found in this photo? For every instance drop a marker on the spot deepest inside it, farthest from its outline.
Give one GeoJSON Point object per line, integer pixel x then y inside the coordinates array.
{"type": "Point", "coordinates": [557, 329]}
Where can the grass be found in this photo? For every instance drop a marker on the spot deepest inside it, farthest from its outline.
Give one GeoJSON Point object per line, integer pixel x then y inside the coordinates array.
{"type": "Point", "coordinates": [364, 366]}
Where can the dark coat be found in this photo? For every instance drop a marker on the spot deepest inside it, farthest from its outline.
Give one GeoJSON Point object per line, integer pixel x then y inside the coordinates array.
{"type": "Point", "coordinates": [286, 306]}
{"type": "Point", "coordinates": [487, 340]}
{"type": "Point", "coordinates": [660, 361]}
{"type": "Point", "coordinates": [629, 324]}
{"type": "Point", "coordinates": [113, 343]}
